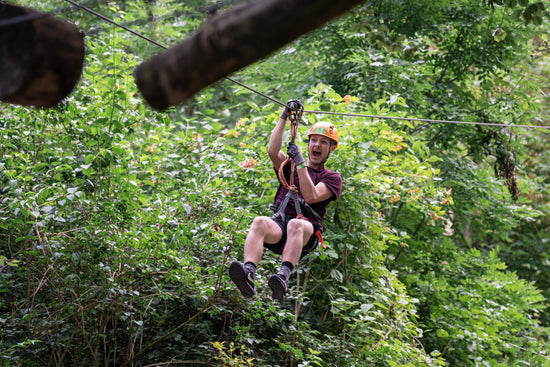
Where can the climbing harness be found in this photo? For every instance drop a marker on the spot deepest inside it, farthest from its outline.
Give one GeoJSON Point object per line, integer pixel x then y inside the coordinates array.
{"type": "Point", "coordinates": [298, 204]}
{"type": "Point", "coordinates": [296, 109]}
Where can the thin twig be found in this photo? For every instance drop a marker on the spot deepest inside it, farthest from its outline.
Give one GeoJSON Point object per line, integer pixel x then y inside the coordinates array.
{"type": "Point", "coordinates": [525, 350]}
{"type": "Point", "coordinates": [226, 255]}
{"type": "Point", "coordinates": [65, 232]}
{"type": "Point", "coordinates": [179, 362]}
{"type": "Point", "coordinates": [206, 306]}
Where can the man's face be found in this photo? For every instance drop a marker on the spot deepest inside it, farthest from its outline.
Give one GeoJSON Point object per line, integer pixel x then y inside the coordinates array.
{"type": "Point", "coordinates": [319, 148]}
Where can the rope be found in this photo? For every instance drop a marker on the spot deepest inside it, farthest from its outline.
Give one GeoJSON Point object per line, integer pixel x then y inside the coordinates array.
{"type": "Point", "coordinates": [317, 112]}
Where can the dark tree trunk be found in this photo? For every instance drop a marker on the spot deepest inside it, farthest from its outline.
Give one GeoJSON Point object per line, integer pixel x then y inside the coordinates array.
{"type": "Point", "coordinates": [227, 42]}
{"type": "Point", "coordinates": [41, 57]}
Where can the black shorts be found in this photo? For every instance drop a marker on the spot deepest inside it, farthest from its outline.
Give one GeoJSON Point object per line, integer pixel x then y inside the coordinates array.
{"type": "Point", "coordinates": [279, 246]}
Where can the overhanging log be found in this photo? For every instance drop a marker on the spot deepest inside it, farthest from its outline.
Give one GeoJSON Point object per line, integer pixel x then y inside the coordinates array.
{"type": "Point", "coordinates": [228, 42]}
{"type": "Point", "coordinates": [41, 57]}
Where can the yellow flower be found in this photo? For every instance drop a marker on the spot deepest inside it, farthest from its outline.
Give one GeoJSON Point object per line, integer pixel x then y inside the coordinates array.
{"type": "Point", "coordinates": [243, 145]}
{"type": "Point", "coordinates": [347, 98]}
{"type": "Point", "coordinates": [235, 134]}
{"type": "Point", "coordinates": [240, 123]}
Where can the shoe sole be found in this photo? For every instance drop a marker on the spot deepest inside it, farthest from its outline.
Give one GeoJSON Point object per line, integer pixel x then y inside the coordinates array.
{"type": "Point", "coordinates": [238, 276]}
{"type": "Point", "coordinates": [278, 288]}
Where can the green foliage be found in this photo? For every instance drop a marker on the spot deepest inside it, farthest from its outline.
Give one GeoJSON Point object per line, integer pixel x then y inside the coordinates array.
{"type": "Point", "coordinates": [117, 223]}
{"type": "Point", "coordinates": [474, 308]}
{"type": "Point", "coordinates": [225, 356]}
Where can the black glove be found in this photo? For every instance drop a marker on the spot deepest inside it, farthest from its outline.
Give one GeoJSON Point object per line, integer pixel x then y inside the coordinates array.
{"type": "Point", "coordinates": [294, 152]}
{"type": "Point", "coordinates": [286, 112]}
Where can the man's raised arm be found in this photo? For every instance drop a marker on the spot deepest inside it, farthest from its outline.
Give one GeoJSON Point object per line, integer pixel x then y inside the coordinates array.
{"type": "Point", "coordinates": [276, 155]}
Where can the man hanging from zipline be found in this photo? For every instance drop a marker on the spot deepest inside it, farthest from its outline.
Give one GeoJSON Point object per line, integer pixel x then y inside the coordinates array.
{"type": "Point", "coordinates": [295, 228]}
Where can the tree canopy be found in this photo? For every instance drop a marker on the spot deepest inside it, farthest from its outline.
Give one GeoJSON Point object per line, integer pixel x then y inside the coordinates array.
{"type": "Point", "coordinates": [118, 223]}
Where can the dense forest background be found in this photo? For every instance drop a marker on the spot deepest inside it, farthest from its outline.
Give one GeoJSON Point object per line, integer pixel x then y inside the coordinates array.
{"type": "Point", "coordinates": [117, 222]}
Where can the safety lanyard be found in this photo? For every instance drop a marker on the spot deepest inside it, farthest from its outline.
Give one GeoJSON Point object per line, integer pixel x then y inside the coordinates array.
{"type": "Point", "coordinates": [297, 109]}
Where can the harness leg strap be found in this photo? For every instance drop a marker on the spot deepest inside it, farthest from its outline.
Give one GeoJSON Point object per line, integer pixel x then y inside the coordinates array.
{"type": "Point", "coordinates": [282, 206]}
{"type": "Point", "coordinates": [297, 205]}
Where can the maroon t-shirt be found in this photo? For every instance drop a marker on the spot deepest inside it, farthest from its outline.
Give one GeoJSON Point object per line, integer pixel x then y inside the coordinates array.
{"type": "Point", "coordinates": [330, 178]}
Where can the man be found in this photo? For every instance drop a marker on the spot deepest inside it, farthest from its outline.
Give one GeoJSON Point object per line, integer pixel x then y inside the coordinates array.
{"type": "Point", "coordinates": [288, 233]}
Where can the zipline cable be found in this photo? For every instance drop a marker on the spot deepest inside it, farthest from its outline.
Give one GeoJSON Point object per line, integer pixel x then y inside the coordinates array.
{"type": "Point", "coordinates": [195, 12]}
{"type": "Point", "coordinates": [163, 46]}
{"type": "Point", "coordinates": [429, 120]}
{"type": "Point", "coordinates": [309, 111]}
{"type": "Point", "coordinates": [115, 23]}
{"type": "Point", "coordinates": [255, 91]}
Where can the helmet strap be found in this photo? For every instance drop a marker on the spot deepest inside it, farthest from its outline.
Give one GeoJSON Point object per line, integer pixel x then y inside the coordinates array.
{"type": "Point", "coordinates": [328, 155]}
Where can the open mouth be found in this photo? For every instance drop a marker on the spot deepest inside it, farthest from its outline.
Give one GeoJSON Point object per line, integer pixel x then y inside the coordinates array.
{"type": "Point", "coordinates": [316, 154]}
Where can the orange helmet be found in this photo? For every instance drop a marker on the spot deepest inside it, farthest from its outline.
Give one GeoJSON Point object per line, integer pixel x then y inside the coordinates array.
{"type": "Point", "coordinates": [326, 129]}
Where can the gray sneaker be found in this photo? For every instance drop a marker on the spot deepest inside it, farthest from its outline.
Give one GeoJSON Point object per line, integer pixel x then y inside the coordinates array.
{"type": "Point", "coordinates": [242, 279]}
{"type": "Point", "coordinates": [278, 285]}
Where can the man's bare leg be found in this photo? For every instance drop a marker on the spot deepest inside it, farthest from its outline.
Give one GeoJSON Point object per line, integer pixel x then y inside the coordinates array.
{"type": "Point", "coordinates": [298, 234]}
{"type": "Point", "coordinates": [263, 229]}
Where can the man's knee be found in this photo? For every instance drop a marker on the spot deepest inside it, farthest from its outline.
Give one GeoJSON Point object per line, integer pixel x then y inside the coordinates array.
{"type": "Point", "coordinates": [261, 224]}
{"type": "Point", "coordinates": [297, 227]}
